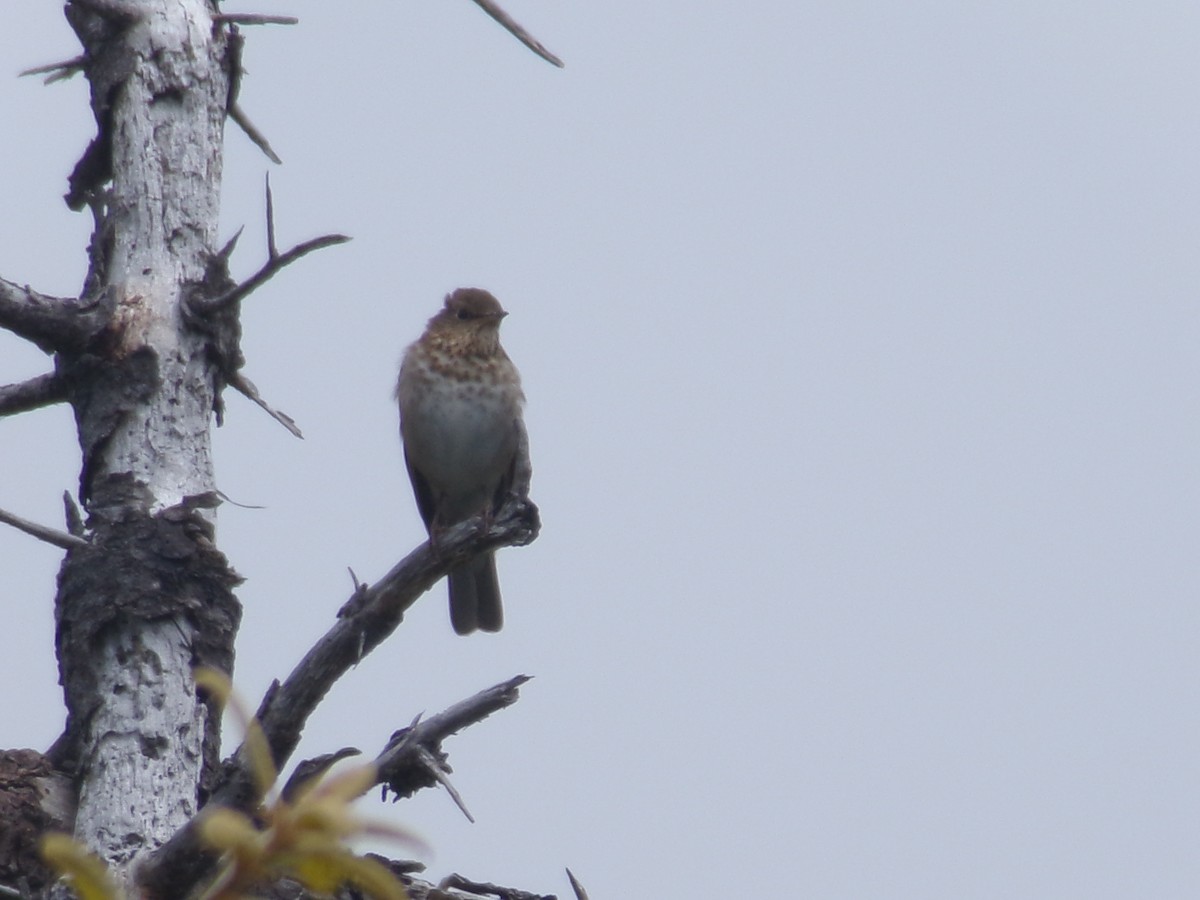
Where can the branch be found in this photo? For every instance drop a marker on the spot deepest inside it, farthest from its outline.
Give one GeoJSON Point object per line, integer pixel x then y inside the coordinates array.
{"type": "Point", "coordinates": [514, 28]}
{"type": "Point", "coordinates": [364, 622]}
{"type": "Point", "coordinates": [484, 888]}
{"type": "Point", "coordinates": [413, 758]}
{"type": "Point", "coordinates": [59, 71]}
{"type": "Point", "coordinates": [275, 262]}
{"type": "Point", "coordinates": [309, 769]}
{"type": "Point", "coordinates": [263, 275]}
{"type": "Point", "coordinates": [44, 390]}
{"type": "Point", "coordinates": [260, 140]}
{"type": "Point", "coordinates": [580, 893]}
{"type": "Point", "coordinates": [53, 323]}
{"type": "Point", "coordinates": [42, 533]}
{"type": "Point", "coordinates": [253, 19]}
{"type": "Point", "coordinates": [245, 386]}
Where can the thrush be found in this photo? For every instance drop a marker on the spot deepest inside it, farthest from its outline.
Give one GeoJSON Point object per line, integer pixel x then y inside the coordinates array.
{"type": "Point", "coordinates": [460, 417]}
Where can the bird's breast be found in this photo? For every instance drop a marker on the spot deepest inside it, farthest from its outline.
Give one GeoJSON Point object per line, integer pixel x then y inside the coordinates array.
{"type": "Point", "coordinates": [459, 426]}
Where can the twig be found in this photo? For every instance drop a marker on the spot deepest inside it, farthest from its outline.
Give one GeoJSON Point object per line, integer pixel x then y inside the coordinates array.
{"type": "Point", "coordinates": [435, 769]}
{"type": "Point", "coordinates": [259, 278]}
{"type": "Point", "coordinates": [309, 769]}
{"type": "Point", "coordinates": [580, 893]}
{"type": "Point", "coordinates": [514, 28]}
{"type": "Point", "coordinates": [61, 70]}
{"type": "Point", "coordinates": [44, 390]}
{"type": "Point", "coordinates": [72, 514]}
{"type": "Point", "coordinates": [245, 386]}
{"type": "Point", "coordinates": [254, 19]}
{"type": "Point", "coordinates": [272, 247]}
{"type": "Point", "coordinates": [275, 262]}
{"type": "Point", "coordinates": [260, 140]}
{"type": "Point", "coordinates": [457, 882]}
{"type": "Point", "coordinates": [411, 759]}
{"type": "Point", "coordinates": [42, 533]}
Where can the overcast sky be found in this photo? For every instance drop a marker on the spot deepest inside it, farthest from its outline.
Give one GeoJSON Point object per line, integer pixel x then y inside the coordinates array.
{"type": "Point", "coordinates": [860, 342]}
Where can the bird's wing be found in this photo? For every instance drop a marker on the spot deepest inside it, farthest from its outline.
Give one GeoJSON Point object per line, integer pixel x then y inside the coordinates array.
{"type": "Point", "coordinates": [426, 504]}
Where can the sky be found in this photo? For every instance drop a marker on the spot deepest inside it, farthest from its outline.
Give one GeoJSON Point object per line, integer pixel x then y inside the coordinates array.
{"type": "Point", "coordinates": [860, 348]}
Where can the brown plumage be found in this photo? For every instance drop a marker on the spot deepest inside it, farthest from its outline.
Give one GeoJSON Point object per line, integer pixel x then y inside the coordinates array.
{"type": "Point", "coordinates": [460, 408]}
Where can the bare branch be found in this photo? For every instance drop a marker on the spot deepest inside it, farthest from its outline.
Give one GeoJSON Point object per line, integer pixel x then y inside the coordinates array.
{"type": "Point", "coordinates": [59, 70]}
{"type": "Point", "coordinates": [44, 390]}
{"type": "Point", "coordinates": [245, 386]}
{"type": "Point", "coordinates": [72, 514]}
{"type": "Point", "coordinates": [53, 323]}
{"type": "Point", "coordinates": [272, 247]}
{"type": "Point", "coordinates": [42, 533]}
{"type": "Point", "coordinates": [364, 621]}
{"type": "Point", "coordinates": [309, 769]}
{"type": "Point", "coordinates": [484, 888]}
{"type": "Point", "coordinates": [435, 768]}
{"type": "Point", "coordinates": [254, 19]}
{"type": "Point", "coordinates": [580, 893]}
{"type": "Point", "coordinates": [413, 757]}
{"type": "Point", "coordinates": [243, 121]}
{"type": "Point", "coordinates": [203, 305]}
{"type": "Point", "coordinates": [514, 28]}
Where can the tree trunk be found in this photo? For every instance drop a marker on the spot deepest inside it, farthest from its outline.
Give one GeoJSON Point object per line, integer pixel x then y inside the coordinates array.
{"type": "Point", "coordinates": [150, 597]}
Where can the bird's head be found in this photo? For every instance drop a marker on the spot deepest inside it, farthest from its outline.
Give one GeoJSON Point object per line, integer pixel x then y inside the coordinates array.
{"type": "Point", "coordinates": [470, 317]}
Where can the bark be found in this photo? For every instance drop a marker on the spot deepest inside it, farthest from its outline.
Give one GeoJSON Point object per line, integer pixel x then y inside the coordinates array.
{"type": "Point", "coordinates": [150, 596]}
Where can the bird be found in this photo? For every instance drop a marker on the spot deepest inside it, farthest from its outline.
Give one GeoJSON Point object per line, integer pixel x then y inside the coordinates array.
{"type": "Point", "coordinates": [461, 404]}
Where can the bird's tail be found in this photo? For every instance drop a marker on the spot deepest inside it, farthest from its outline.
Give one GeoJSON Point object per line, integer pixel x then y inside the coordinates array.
{"type": "Point", "coordinates": [475, 596]}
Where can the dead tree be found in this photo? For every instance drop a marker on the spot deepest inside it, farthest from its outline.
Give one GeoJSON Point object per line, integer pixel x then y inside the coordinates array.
{"type": "Point", "coordinates": [143, 356]}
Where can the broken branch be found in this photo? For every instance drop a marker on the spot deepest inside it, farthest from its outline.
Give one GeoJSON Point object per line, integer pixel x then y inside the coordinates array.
{"type": "Point", "coordinates": [253, 19]}
{"type": "Point", "coordinates": [245, 386]}
{"type": "Point", "coordinates": [260, 140]}
{"type": "Point", "coordinates": [53, 323]}
{"type": "Point", "coordinates": [42, 533]}
{"type": "Point", "coordinates": [413, 757]}
{"type": "Point", "coordinates": [59, 70]}
{"type": "Point", "coordinates": [44, 390]}
{"type": "Point", "coordinates": [514, 28]}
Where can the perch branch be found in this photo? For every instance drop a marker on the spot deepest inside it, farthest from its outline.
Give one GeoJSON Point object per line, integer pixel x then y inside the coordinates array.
{"type": "Point", "coordinates": [42, 533]}
{"type": "Point", "coordinates": [514, 28]}
{"type": "Point", "coordinates": [370, 615]}
{"type": "Point", "coordinates": [44, 390]}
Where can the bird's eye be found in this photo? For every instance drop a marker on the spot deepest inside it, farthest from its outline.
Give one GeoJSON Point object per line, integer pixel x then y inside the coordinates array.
{"type": "Point", "coordinates": [464, 315]}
